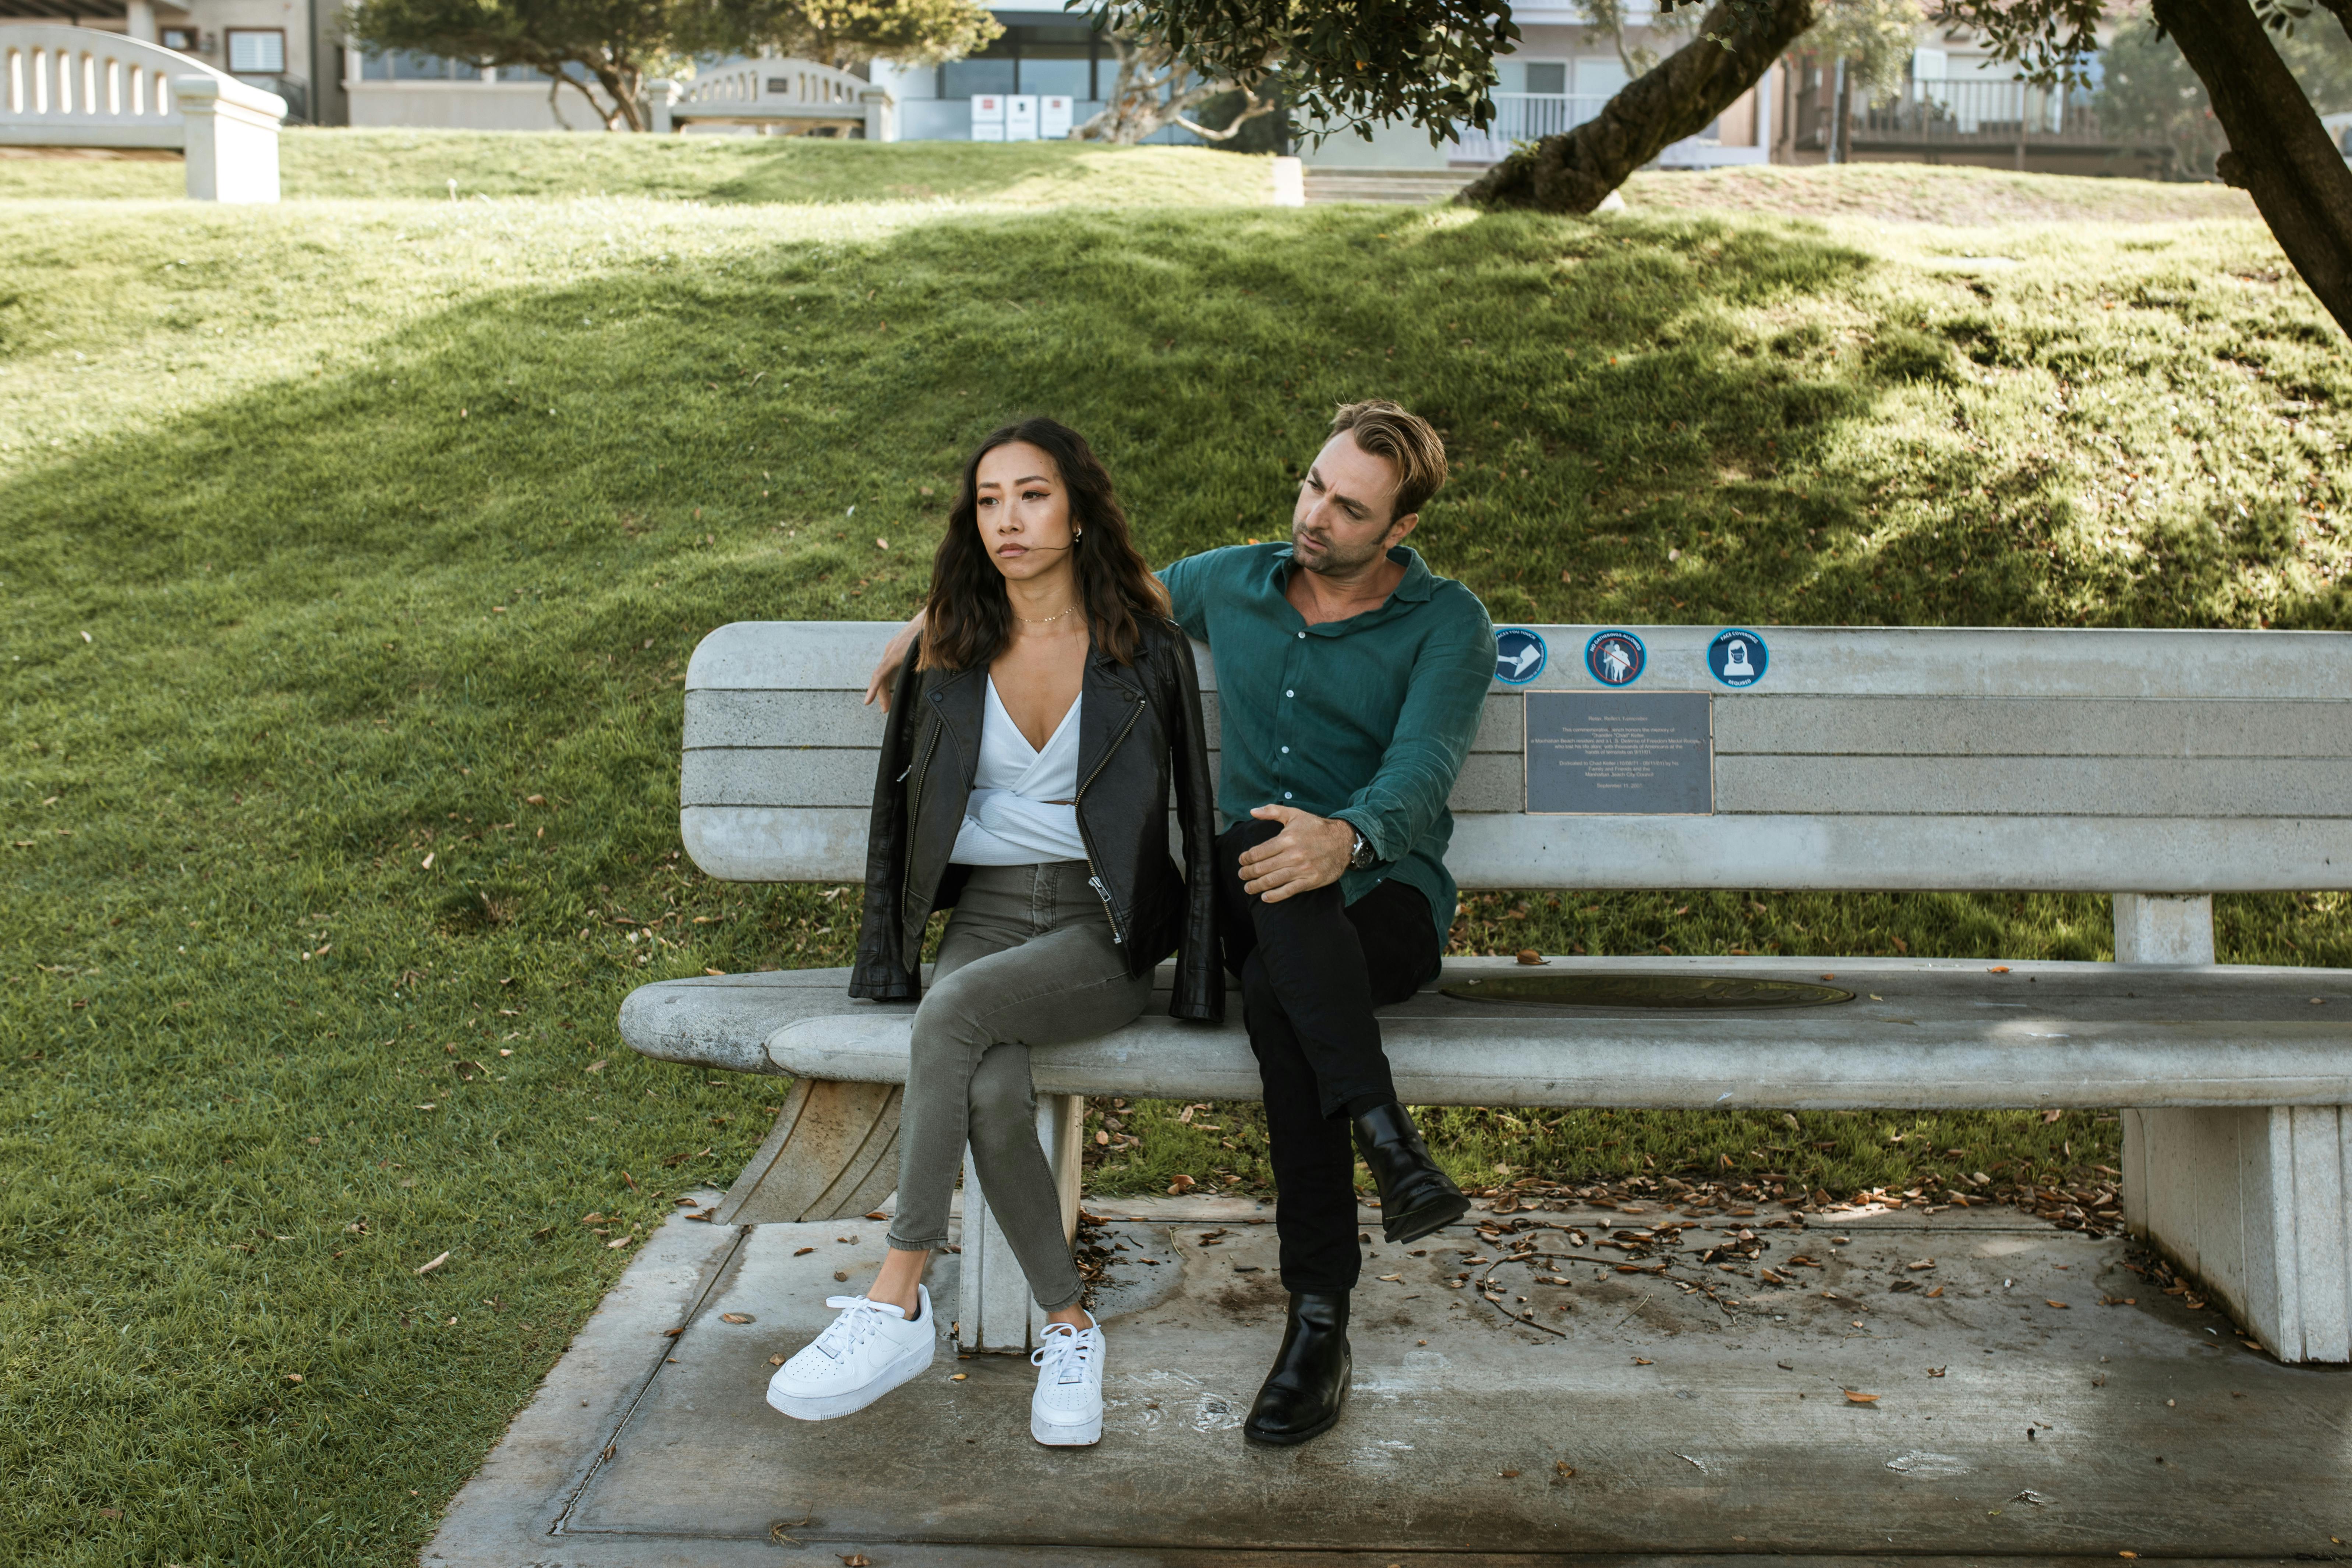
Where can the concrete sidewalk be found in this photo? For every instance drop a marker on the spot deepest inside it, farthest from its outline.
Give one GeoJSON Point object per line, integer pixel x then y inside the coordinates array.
{"type": "Point", "coordinates": [1555, 1405]}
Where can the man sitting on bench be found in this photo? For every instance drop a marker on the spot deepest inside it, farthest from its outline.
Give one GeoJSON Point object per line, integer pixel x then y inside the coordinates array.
{"type": "Point", "coordinates": [1349, 680]}
{"type": "Point", "coordinates": [1350, 683]}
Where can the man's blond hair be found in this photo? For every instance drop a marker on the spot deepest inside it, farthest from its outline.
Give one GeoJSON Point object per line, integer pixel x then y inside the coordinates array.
{"type": "Point", "coordinates": [1408, 441]}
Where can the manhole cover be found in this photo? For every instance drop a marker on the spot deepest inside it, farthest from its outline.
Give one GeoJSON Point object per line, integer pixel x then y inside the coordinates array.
{"type": "Point", "coordinates": [1699, 991]}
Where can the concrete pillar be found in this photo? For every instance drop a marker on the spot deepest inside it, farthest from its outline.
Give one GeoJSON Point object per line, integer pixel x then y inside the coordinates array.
{"type": "Point", "coordinates": [994, 1311]}
{"type": "Point", "coordinates": [2248, 1202]}
{"type": "Point", "coordinates": [881, 115]}
{"type": "Point", "coordinates": [661, 97]}
{"type": "Point", "coordinates": [139, 20]}
{"type": "Point", "coordinates": [232, 145]}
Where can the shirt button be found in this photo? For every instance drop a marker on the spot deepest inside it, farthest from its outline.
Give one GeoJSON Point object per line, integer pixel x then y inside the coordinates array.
{"type": "Point", "coordinates": [1285, 750]}
{"type": "Point", "coordinates": [1286, 794]}
{"type": "Point", "coordinates": [1290, 694]}
{"type": "Point", "coordinates": [1302, 637]}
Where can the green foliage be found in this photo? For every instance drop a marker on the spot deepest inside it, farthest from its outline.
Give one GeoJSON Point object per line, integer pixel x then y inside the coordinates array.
{"type": "Point", "coordinates": [1426, 62]}
{"type": "Point", "coordinates": [1875, 37]}
{"type": "Point", "coordinates": [338, 530]}
{"type": "Point", "coordinates": [845, 33]}
{"type": "Point", "coordinates": [2147, 91]}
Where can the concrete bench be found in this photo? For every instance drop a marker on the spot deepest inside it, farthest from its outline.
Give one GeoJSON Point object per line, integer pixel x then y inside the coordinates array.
{"type": "Point", "coordinates": [2163, 766]}
{"type": "Point", "coordinates": [77, 86]}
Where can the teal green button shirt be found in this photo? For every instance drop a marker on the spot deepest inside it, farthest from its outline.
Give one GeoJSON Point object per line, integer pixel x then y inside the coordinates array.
{"type": "Point", "coordinates": [1366, 720]}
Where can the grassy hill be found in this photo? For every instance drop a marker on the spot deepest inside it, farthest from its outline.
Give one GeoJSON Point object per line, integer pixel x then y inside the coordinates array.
{"type": "Point", "coordinates": [356, 548]}
{"type": "Point", "coordinates": [419, 165]}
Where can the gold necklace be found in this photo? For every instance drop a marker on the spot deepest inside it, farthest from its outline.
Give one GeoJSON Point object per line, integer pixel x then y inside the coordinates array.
{"type": "Point", "coordinates": [1049, 620]}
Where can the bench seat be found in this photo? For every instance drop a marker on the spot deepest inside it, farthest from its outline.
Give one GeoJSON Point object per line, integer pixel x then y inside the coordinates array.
{"type": "Point", "coordinates": [1921, 1033]}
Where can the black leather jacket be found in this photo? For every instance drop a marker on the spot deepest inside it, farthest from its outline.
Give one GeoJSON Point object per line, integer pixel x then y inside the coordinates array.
{"type": "Point", "coordinates": [1139, 731]}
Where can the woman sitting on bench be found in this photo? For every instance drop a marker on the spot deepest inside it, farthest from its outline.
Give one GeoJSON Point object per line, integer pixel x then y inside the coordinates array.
{"type": "Point", "coordinates": [1026, 762]}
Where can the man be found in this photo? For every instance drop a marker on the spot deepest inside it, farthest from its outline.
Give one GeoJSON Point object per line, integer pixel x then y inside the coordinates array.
{"type": "Point", "coordinates": [1349, 682]}
{"type": "Point", "coordinates": [1349, 679]}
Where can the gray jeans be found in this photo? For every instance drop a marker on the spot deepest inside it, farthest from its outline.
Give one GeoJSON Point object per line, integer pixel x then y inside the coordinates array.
{"type": "Point", "coordinates": [1027, 959]}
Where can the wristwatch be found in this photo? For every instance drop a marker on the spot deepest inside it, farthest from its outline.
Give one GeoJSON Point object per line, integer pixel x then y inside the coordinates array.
{"type": "Point", "coordinates": [1362, 857]}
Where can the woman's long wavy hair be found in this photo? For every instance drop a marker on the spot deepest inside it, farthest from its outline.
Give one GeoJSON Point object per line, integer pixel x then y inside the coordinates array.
{"type": "Point", "coordinates": [969, 619]}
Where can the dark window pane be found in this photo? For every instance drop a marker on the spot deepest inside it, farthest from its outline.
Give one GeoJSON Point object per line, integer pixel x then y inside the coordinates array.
{"type": "Point", "coordinates": [970, 79]}
{"type": "Point", "coordinates": [1066, 77]}
{"type": "Point", "coordinates": [1552, 77]}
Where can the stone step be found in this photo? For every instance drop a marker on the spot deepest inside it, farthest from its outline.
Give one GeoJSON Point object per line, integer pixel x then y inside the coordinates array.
{"type": "Point", "coordinates": [1406, 185]}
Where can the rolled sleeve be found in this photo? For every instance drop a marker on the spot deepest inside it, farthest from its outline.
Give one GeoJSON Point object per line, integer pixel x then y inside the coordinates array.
{"type": "Point", "coordinates": [1408, 793]}
{"type": "Point", "coordinates": [1187, 594]}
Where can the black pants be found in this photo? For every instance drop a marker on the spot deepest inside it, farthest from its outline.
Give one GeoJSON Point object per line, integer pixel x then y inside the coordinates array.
{"type": "Point", "coordinates": [1312, 969]}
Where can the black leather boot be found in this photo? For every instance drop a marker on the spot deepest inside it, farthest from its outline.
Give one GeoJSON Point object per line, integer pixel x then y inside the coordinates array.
{"type": "Point", "coordinates": [1303, 1393]}
{"type": "Point", "coordinates": [1416, 1196]}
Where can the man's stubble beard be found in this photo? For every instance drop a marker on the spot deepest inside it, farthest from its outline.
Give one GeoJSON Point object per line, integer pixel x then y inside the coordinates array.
{"type": "Point", "coordinates": [1334, 564]}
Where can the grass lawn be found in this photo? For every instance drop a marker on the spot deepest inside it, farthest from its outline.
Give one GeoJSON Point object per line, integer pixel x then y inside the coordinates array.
{"type": "Point", "coordinates": [397, 165]}
{"type": "Point", "coordinates": [356, 547]}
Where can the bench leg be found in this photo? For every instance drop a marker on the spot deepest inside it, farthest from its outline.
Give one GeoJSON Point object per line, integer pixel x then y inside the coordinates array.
{"type": "Point", "coordinates": [2249, 1201]}
{"type": "Point", "coordinates": [994, 1311]}
{"type": "Point", "coordinates": [833, 1152]}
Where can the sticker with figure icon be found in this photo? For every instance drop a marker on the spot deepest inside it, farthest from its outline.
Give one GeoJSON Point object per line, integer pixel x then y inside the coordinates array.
{"type": "Point", "coordinates": [1737, 656]}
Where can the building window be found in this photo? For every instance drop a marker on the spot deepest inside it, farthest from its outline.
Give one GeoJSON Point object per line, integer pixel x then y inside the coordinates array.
{"type": "Point", "coordinates": [1549, 77]}
{"type": "Point", "coordinates": [256, 51]}
{"type": "Point", "coordinates": [181, 38]}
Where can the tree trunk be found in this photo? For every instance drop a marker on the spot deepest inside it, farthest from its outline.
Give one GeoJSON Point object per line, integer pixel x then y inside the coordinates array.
{"type": "Point", "coordinates": [1677, 97]}
{"type": "Point", "coordinates": [2279, 153]}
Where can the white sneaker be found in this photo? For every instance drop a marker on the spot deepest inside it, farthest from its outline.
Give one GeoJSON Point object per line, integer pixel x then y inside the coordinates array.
{"type": "Point", "coordinates": [866, 1352]}
{"type": "Point", "coordinates": [1066, 1410]}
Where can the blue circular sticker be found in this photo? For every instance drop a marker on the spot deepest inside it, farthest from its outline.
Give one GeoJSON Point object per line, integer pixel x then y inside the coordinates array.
{"type": "Point", "coordinates": [1616, 658]}
{"type": "Point", "coordinates": [1519, 656]}
{"type": "Point", "coordinates": [1737, 656]}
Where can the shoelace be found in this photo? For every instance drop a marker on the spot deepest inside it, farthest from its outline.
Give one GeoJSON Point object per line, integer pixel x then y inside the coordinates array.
{"type": "Point", "coordinates": [860, 1317]}
{"type": "Point", "coordinates": [1063, 1344]}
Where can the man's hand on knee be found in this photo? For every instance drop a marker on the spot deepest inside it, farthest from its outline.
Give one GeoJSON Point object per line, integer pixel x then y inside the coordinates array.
{"type": "Point", "coordinates": [1310, 852]}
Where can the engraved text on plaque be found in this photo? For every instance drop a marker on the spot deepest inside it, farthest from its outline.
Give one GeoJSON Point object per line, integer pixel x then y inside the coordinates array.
{"type": "Point", "coordinates": [1620, 752]}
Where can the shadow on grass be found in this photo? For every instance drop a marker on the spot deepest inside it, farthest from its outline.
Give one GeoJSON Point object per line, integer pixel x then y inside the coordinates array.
{"type": "Point", "coordinates": [514, 523]}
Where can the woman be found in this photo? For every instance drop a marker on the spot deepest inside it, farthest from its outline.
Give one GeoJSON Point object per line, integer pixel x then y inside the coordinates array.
{"type": "Point", "coordinates": [1025, 769]}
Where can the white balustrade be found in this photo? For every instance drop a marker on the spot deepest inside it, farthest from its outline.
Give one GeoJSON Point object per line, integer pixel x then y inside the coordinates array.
{"type": "Point", "coordinates": [773, 92]}
{"type": "Point", "coordinates": [77, 86]}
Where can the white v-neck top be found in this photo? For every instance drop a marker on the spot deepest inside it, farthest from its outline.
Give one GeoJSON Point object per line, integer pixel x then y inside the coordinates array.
{"type": "Point", "coordinates": [1009, 819]}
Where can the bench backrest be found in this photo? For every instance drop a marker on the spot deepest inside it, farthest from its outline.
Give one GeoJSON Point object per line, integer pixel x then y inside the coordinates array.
{"type": "Point", "coordinates": [2179, 762]}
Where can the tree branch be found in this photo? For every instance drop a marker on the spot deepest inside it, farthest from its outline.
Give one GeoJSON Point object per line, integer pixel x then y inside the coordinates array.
{"type": "Point", "coordinates": [2279, 153]}
{"type": "Point", "coordinates": [1736, 41]}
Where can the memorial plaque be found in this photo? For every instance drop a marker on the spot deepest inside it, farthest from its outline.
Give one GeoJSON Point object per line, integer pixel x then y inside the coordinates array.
{"type": "Point", "coordinates": [1619, 752]}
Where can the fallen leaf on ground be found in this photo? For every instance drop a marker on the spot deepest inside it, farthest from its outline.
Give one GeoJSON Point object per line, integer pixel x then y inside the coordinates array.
{"type": "Point", "coordinates": [1565, 1469]}
{"type": "Point", "coordinates": [1640, 1362]}
{"type": "Point", "coordinates": [2060, 1305]}
{"type": "Point", "coordinates": [1938, 1371]}
{"type": "Point", "coordinates": [803, 1251]}
{"type": "Point", "coordinates": [877, 1214]}
{"type": "Point", "coordinates": [1530, 955]}
{"type": "Point", "coordinates": [1936, 1291]}
{"type": "Point", "coordinates": [777, 1358]}
{"type": "Point", "coordinates": [1854, 1398]}
{"type": "Point", "coordinates": [293, 1377]}
{"type": "Point", "coordinates": [734, 1317]}
{"type": "Point", "coordinates": [598, 1065]}
{"type": "Point", "coordinates": [429, 1268]}
{"type": "Point", "coordinates": [1997, 969]}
